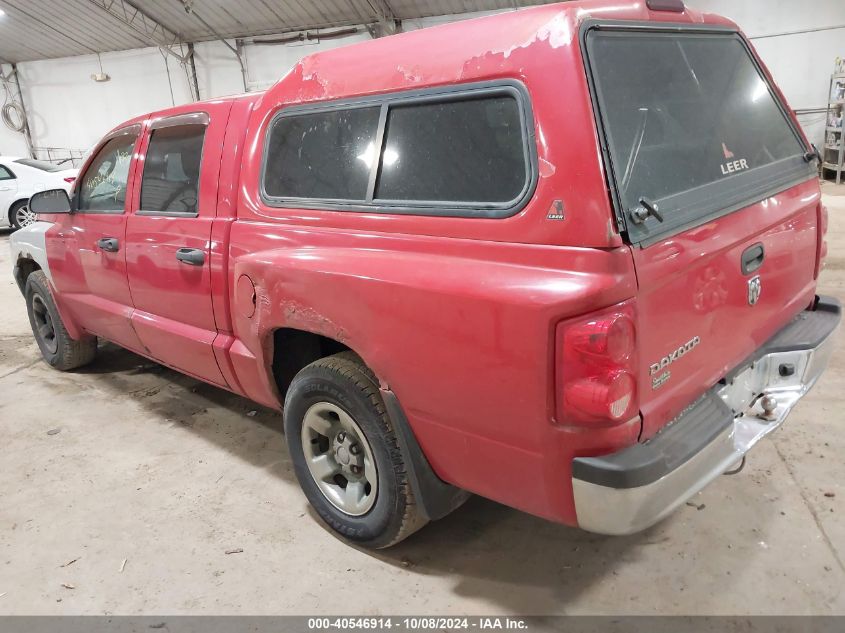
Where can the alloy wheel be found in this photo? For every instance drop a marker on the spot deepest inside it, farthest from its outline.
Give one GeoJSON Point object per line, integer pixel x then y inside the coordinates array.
{"type": "Point", "coordinates": [24, 217]}
{"type": "Point", "coordinates": [339, 458]}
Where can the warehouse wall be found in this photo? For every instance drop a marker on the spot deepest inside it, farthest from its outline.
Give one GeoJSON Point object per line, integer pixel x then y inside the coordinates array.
{"type": "Point", "coordinates": [800, 62]}
{"type": "Point", "coordinates": [218, 71]}
{"type": "Point", "coordinates": [68, 109]}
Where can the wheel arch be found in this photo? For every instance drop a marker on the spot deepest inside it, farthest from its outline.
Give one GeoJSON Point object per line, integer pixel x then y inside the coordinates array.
{"type": "Point", "coordinates": [29, 253]}
{"type": "Point", "coordinates": [24, 267]}
{"type": "Point", "coordinates": [293, 349]}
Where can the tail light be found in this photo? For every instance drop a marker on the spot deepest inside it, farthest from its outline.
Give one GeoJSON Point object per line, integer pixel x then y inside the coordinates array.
{"type": "Point", "coordinates": [596, 368]}
{"type": "Point", "coordinates": [70, 179]}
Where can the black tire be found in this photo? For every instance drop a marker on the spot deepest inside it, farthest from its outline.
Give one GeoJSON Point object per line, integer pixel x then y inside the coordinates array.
{"type": "Point", "coordinates": [344, 381]}
{"type": "Point", "coordinates": [57, 347]}
{"type": "Point", "coordinates": [13, 213]}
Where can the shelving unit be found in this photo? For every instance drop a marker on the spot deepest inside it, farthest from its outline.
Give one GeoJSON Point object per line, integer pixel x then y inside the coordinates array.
{"type": "Point", "coordinates": [833, 152]}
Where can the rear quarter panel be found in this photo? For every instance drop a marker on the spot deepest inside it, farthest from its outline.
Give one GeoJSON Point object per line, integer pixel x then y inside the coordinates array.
{"type": "Point", "coordinates": [462, 331]}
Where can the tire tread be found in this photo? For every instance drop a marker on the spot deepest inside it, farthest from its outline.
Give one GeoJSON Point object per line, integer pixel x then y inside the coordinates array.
{"type": "Point", "coordinates": [71, 353]}
{"type": "Point", "coordinates": [349, 366]}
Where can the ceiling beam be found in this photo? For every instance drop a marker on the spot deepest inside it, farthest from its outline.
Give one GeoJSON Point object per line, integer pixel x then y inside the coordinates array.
{"type": "Point", "coordinates": [386, 22]}
{"type": "Point", "coordinates": [382, 10]}
{"type": "Point", "coordinates": [237, 49]}
{"type": "Point", "coordinates": [132, 16]}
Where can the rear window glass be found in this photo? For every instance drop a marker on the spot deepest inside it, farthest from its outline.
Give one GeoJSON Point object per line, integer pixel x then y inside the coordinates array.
{"type": "Point", "coordinates": [324, 155]}
{"type": "Point", "coordinates": [40, 164]}
{"type": "Point", "coordinates": [684, 112]}
{"type": "Point", "coordinates": [460, 151]}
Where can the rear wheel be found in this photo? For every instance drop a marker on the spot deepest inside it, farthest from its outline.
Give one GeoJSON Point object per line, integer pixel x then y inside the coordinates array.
{"type": "Point", "coordinates": [345, 453]}
{"type": "Point", "coordinates": [20, 215]}
{"type": "Point", "coordinates": [56, 345]}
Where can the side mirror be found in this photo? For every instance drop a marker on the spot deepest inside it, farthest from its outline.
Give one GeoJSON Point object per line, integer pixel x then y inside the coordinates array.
{"type": "Point", "coordinates": [50, 201]}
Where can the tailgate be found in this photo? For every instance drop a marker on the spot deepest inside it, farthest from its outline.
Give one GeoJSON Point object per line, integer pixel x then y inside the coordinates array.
{"type": "Point", "coordinates": [717, 193]}
{"type": "Point", "coordinates": [699, 315]}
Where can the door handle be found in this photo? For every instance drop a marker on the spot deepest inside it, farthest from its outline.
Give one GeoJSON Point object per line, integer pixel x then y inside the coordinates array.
{"type": "Point", "coordinates": [109, 244]}
{"type": "Point", "coordinates": [192, 256]}
{"type": "Point", "coordinates": [752, 258]}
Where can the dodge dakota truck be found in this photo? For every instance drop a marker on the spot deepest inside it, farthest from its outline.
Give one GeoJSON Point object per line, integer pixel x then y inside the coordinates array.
{"type": "Point", "coordinates": [564, 258]}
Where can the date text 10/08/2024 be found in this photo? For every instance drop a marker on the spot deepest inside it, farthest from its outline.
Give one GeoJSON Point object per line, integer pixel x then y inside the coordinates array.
{"type": "Point", "coordinates": [417, 623]}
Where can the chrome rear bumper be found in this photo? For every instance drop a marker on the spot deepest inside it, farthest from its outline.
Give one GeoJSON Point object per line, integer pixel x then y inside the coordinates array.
{"type": "Point", "coordinates": [635, 488]}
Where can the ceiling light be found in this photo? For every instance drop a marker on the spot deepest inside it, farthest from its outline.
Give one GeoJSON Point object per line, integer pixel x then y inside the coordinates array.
{"type": "Point", "coordinates": [101, 76]}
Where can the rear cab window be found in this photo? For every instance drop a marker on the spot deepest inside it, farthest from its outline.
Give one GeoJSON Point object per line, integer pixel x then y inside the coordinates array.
{"type": "Point", "coordinates": [465, 151]}
{"type": "Point", "coordinates": [691, 124]}
{"type": "Point", "coordinates": [170, 182]}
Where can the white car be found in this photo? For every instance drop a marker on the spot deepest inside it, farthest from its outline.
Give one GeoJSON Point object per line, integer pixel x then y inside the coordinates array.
{"type": "Point", "coordinates": [22, 177]}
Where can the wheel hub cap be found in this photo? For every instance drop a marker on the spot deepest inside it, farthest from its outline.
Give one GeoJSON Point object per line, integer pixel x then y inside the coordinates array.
{"type": "Point", "coordinates": [339, 458]}
{"type": "Point", "coordinates": [44, 328]}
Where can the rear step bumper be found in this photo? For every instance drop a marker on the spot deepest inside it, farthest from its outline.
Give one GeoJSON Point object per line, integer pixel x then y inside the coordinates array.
{"type": "Point", "coordinates": [628, 491]}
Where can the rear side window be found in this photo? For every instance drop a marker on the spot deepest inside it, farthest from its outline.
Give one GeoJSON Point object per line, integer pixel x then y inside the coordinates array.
{"type": "Point", "coordinates": [170, 183]}
{"type": "Point", "coordinates": [692, 125]}
{"type": "Point", "coordinates": [324, 155]}
{"type": "Point", "coordinates": [462, 151]}
{"type": "Point", "coordinates": [103, 187]}
{"type": "Point", "coordinates": [465, 152]}
{"type": "Point", "coordinates": [5, 174]}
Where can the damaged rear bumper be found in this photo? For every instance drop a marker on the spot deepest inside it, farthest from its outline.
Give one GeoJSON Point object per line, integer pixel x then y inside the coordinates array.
{"type": "Point", "coordinates": [630, 490]}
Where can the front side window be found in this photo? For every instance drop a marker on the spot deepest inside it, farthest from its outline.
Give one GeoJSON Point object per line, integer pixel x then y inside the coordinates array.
{"type": "Point", "coordinates": [103, 187]}
{"type": "Point", "coordinates": [170, 183]}
{"type": "Point", "coordinates": [692, 124]}
{"type": "Point", "coordinates": [459, 153]}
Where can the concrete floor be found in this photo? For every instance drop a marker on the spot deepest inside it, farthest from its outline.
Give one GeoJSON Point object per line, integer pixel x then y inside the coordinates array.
{"type": "Point", "coordinates": [170, 474]}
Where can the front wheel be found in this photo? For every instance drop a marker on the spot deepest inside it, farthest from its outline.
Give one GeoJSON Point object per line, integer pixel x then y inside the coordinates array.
{"type": "Point", "coordinates": [20, 215]}
{"type": "Point", "coordinates": [345, 453]}
{"type": "Point", "coordinates": [56, 345]}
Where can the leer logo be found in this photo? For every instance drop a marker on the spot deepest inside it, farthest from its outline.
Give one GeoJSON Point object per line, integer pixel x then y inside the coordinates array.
{"type": "Point", "coordinates": [732, 166]}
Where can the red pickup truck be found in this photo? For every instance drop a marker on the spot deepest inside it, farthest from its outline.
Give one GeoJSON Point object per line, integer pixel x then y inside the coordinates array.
{"type": "Point", "coordinates": [563, 257]}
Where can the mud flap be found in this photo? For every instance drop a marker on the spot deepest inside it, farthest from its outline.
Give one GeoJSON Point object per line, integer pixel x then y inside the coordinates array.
{"type": "Point", "coordinates": [434, 496]}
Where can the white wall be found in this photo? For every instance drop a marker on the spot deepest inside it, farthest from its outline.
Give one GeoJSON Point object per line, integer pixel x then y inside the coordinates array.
{"type": "Point", "coordinates": [11, 143]}
{"type": "Point", "coordinates": [422, 23]}
{"type": "Point", "coordinates": [801, 63]}
{"type": "Point", "coordinates": [219, 73]}
{"type": "Point", "coordinates": [68, 109]}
